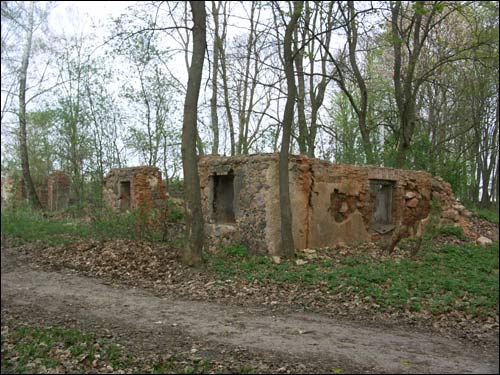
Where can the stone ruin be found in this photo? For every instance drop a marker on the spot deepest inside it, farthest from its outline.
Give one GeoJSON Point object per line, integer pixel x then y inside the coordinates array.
{"type": "Point", "coordinates": [58, 191]}
{"type": "Point", "coordinates": [332, 204]}
{"type": "Point", "coordinates": [126, 189]}
{"type": "Point", "coordinates": [53, 194]}
{"type": "Point", "coordinates": [13, 190]}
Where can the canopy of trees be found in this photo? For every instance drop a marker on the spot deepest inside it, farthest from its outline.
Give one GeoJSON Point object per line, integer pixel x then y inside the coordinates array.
{"type": "Point", "coordinates": [394, 83]}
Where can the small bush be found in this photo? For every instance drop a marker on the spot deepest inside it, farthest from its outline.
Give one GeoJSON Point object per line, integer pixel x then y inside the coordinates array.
{"type": "Point", "coordinates": [237, 250]}
{"type": "Point", "coordinates": [176, 215]}
{"type": "Point", "coordinates": [450, 230]}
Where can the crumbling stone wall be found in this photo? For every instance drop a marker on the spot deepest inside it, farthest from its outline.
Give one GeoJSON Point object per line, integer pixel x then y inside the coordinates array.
{"type": "Point", "coordinates": [332, 204]}
{"type": "Point", "coordinates": [58, 191]}
{"type": "Point", "coordinates": [43, 194]}
{"type": "Point", "coordinates": [141, 186]}
{"type": "Point", "coordinates": [12, 190]}
{"type": "Point", "coordinates": [53, 192]}
{"type": "Point", "coordinates": [250, 185]}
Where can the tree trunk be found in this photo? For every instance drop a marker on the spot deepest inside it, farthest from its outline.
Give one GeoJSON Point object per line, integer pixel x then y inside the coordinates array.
{"type": "Point", "coordinates": [194, 221]}
{"type": "Point", "coordinates": [352, 36]}
{"type": "Point", "coordinates": [224, 83]}
{"type": "Point", "coordinates": [215, 73]}
{"type": "Point", "coordinates": [287, 246]}
{"type": "Point", "coordinates": [226, 103]}
{"type": "Point", "coordinates": [301, 93]}
{"type": "Point", "coordinates": [23, 143]}
{"type": "Point", "coordinates": [243, 115]}
{"type": "Point", "coordinates": [405, 85]}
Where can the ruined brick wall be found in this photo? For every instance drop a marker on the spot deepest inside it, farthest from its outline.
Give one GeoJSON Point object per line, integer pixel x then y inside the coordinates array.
{"type": "Point", "coordinates": [300, 189]}
{"type": "Point", "coordinates": [149, 189]}
{"type": "Point", "coordinates": [58, 190]}
{"type": "Point", "coordinates": [43, 194]}
{"type": "Point", "coordinates": [146, 188]}
{"type": "Point", "coordinates": [13, 190]}
{"type": "Point", "coordinates": [343, 195]}
{"type": "Point", "coordinates": [7, 185]}
{"type": "Point", "coordinates": [332, 204]}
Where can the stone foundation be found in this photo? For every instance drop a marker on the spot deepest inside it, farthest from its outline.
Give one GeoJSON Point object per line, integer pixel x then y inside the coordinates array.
{"type": "Point", "coordinates": [332, 204]}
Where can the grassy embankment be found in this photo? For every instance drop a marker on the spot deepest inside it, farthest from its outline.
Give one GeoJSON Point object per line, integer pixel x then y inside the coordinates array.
{"type": "Point", "coordinates": [442, 277]}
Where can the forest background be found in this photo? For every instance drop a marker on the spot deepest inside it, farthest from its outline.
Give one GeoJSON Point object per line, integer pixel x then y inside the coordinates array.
{"type": "Point", "coordinates": [398, 84]}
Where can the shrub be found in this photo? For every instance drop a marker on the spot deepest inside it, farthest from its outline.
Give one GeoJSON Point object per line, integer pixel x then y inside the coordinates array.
{"type": "Point", "coordinates": [451, 230]}
{"type": "Point", "coordinates": [236, 250]}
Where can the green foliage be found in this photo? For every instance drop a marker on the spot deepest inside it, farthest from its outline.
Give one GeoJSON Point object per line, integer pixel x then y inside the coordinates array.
{"type": "Point", "coordinates": [442, 278]}
{"type": "Point", "coordinates": [348, 147]}
{"type": "Point", "coordinates": [28, 349]}
{"type": "Point", "coordinates": [237, 250]}
{"type": "Point", "coordinates": [488, 214]}
{"type": "Point", "coordinates": [451, 230]}
{"type": "Point", "coordinates": [176, 215]}
{"type": "Point", "coordinates": [30, 225]}
{"type": "Point", "coordinates": [176, 184]}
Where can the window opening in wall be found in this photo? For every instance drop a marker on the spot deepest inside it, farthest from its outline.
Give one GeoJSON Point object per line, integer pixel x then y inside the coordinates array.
{"type": "Point", "coordinates": [124, 195]}
{"type": "Point", "coordinates": [338, 206]}
{"type": "Point", "coordinates": [223, 209]}
{"type": "Point", "coordinates": [382, 194]}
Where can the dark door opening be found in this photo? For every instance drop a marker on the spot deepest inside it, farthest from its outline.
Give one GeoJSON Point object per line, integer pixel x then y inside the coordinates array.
{"type": "Point", "coordinates": [223, 210]}
{"type": "Point", "coordinates": [381, 192]}
{"type": "Point", "coordinates": [124, 195]}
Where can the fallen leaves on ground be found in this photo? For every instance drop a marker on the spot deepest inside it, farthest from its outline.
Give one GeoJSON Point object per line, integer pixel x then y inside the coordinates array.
{"type": "Point", "coordinates": [158, 267]}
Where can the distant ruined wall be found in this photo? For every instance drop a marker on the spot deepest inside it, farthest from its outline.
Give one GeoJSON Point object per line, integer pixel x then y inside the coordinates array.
{"type": "Point", "coordinates": [58, 191]}
{"type": "Point", "coordinates": [53, 193]}
{"type": "Point", "coordinates": [43, 194]}
{"type": "Point", "coordinates": [332, 204]}
{"type": "Point", "coordinates": [13, 191]}
{"type": "Point", "coordinates": [344, 201]}
{"type": "Point", "coordinates": [8, 192]}
{"type": "Point", "coordinates": [134, 187]}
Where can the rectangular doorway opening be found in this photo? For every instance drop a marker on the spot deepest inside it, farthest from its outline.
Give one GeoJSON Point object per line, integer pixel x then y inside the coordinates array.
{"type": "Point", "coordinates": [381, 193]}
{"type": "Point", "coordinates": [223, 197]}
{"type": "Point", "coordinates": [124, 195]}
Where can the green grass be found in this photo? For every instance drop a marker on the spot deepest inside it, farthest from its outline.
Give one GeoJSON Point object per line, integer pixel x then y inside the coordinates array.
{"type": "Point", "coordinates": [35, 348]}
{"type": "Point", "coordinates": [439, 279]}
{"type": "Point", "coordinates": [450, 230]}
{"type": "Point", "coordinates": [30, 225]}
{"type": "Point", "coordinates": [488, 214]}
{"type": "Point", "coordinates": [442, 278]}
{"type": "Point", "coordinates": [30, 349]}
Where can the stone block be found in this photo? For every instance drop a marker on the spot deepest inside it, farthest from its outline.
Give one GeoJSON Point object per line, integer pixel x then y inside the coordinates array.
{"type": "Point", "coordinates": [412, 203]}
{"type": "Point", "coordinates": [483, 241]}
{"type": "Point", "coordinates": [410, 195]}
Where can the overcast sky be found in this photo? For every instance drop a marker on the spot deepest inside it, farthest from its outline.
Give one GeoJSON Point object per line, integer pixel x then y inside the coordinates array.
{"type": "Point", "coordinates": [81, 15]}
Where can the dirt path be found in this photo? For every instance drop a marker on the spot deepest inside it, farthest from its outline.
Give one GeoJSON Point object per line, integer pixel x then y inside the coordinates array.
{"type": "Point", "coordinates": [150, 322]}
